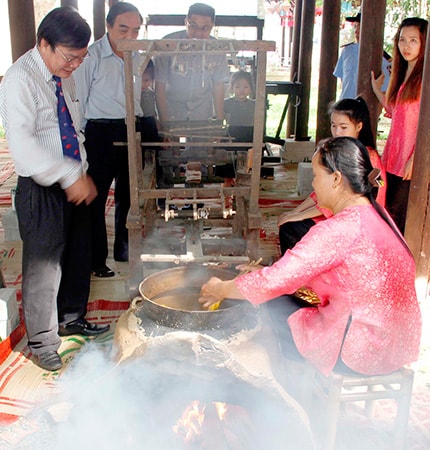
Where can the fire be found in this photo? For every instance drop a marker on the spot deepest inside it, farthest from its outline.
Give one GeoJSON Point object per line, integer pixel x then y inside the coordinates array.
{"type": "Point", "coordinates": [190, 424]}
{"type": "Point", "coordinates": [221, 409]}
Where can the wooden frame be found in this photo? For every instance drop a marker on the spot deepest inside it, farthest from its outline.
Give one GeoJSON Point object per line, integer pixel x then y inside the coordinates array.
{"type": "Point", "coordinates": [138, 194]}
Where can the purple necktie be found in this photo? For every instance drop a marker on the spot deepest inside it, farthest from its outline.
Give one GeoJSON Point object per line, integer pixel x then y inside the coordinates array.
{"type": "Point", "coordinates": [69, 138]}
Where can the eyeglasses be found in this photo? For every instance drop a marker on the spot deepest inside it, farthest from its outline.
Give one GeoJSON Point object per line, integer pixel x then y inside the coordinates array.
{"type": "Point", "coordinates": [195, 27]}
{"type": "Point", "coordinates": [69, 59]}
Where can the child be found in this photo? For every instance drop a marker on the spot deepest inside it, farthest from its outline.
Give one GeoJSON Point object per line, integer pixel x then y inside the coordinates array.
{"type": "Point", "coordinates": [402, 102]}
{"type": "Point", "coordinates": [349, 117]}
{"type": "Point", "coordinates": [239, 111]}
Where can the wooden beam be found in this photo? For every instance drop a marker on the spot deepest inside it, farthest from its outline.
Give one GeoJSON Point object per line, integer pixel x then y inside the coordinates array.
{"type": "Point", "coordinates": [371, 50]}
{"type": "Point", "coordinates": [22, 27]}
{"type": "Point", "coordinates": [194, 46]}
{"type": "Point", "coordinates": [328, 57]}
{"type": "Point", "coordinates": [305, 68]}
{"type": "Point", "coordinates": [294, 67]}
{"type": "Point", "coordinates": [417, 230]}
{"type": "Point", "coordinates": [73, 3]}
{"type": "Point", "coordinates": [99, 18]}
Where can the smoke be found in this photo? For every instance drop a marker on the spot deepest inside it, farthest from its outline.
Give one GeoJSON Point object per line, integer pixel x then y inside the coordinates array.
{"type": "Point", "coordinates": [136, 405]}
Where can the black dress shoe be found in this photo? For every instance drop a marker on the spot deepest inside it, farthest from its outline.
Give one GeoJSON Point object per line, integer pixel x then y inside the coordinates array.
{"type": "Point", "coordinates": [103, 272]}
{"type": "Point", "coordinates": [49, 361]}
{"type": "Point", "coordinates": [83, 327]}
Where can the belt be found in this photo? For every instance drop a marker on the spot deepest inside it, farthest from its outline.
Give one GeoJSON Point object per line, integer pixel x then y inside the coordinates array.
{"type": "Point", "coordinates": [112, 121]}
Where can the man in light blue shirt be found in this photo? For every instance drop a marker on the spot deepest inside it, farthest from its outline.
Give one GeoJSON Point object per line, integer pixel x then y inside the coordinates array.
{"type": "Point", "coordinates": [347, 65]}
{"type": "Point", "coordinates": [101, 90]}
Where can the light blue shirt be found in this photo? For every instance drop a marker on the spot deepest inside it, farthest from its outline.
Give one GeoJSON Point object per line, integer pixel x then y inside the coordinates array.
{"type": "Point", "coordinates": [347, 70]}
{"type": "Point", "coordinates": [100, 83]}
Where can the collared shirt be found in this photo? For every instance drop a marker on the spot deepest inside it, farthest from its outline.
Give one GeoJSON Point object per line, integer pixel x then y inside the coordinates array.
{"type": "Point", "coordinates": [190, 80]}
{"type": "Point", "coordinates": [100, 83]}
{"type": "Point", "coordinates": [28, 107]}
{"type": "Point", "coordinates": [347, 70]}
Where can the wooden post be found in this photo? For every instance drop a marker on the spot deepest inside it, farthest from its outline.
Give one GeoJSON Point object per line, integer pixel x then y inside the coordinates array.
{"type": "Point", "coordinates": [294, 68]}
{"type": "Point", "coordinates": [371, 50]}
{"type": "Point", "coordinates": [328, 58]}
{"type": "Point", "coordinates": [99, 18]}
{"type": "Point", "coordinates": [417, 230]}
{"type": "Point", "coordinates": [73, 3]}
{"type": "Point", "coordinates": [305, 66]}
{"type": "Point", "coordinates": [22, 27]}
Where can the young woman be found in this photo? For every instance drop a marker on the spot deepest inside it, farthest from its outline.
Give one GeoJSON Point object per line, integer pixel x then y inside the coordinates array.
{"type": "Point", "coordinates": [349, 117]}
{"type": "Point", "coordinates": [402, 102]}
{"type": "Point", "coordinates": [358, 265]}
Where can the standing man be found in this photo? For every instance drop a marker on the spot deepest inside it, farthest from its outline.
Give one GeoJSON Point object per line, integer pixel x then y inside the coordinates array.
{"type": "Point", "coordinates": [101, 91]}
{"type": "Point", "coordinates": [347, 65]}
{"type": "Point", "coordinates": [41, 118]}
{"type": "Point", "coordinates": [191, 87]}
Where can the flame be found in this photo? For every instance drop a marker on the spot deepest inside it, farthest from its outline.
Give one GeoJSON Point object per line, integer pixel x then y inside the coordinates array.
{"type": "Point", "coordinates": [191, 421]}
{"type": "Point", "coordinates": [221, 409]}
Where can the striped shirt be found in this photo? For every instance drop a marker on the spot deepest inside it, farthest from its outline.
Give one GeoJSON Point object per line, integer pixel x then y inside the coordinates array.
{"type": "Point", "coordinates": [28, 108]}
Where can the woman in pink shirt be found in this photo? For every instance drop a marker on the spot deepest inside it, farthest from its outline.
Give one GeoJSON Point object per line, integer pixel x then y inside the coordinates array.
{"type": "Point", "coordinates": [402, 103]}
{"type": "Point", "coordinates": [358, 265]}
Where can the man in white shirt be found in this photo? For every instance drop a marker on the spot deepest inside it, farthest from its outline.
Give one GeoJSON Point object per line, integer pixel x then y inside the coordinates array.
{"type": "Point", "coordinates": [53, 190]}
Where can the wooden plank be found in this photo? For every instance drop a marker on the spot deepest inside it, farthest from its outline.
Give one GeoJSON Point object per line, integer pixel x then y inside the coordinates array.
{"type": "Point", "coordinates": [417, 229]}
{"type": "Point", "coordinates": [134, 218]}
{"type": "Point", "coordinates": [194, 46]}
{"type": "Point", "coordinates": [370, 58]}
{"type": "Point", "coordinates": [329, 54]}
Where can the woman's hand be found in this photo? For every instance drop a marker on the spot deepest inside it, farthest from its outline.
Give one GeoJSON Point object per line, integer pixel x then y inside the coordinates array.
{"type": "Point", "coordinates": [251, 267]}
{"type": "Point", "coordinates": [377, 82]}
{"type": "Point", "coordinates": [212, 292]}
{"type": "Point", "coordinates": [408, 169]}
{"type": "Point", "coordinates": [377, 85]}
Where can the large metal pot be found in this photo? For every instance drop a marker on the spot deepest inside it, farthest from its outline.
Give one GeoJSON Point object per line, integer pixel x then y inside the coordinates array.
{"type": "Point", "coordinates": [170, 298]}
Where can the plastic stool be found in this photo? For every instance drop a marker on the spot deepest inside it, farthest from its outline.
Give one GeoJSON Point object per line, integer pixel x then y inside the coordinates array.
{"type": "Point", "coordinates": [340, 388]}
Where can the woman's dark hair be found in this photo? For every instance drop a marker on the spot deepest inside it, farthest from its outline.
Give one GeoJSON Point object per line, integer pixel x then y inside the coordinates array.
{"type": "Point", "coordinates": [351, 158]}
{"type": "Point", "coordinates": [241, 75]}
{"type": "Point", "coordinates": [412, 88]}
{"type": "Point", "coordinates": [201, 9]}
{"type": "Point", "coordinates": [121, 8]}
{"type": "Point", "coordinates": [64, 26]}
{"type": "Point", "coordinates": [357, 111]}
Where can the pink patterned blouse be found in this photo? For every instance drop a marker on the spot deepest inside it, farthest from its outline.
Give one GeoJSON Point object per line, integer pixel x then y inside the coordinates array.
{"type": "Point", "coordinates": [359, 269]}
{"type": "Point", "coordinates": [400, 144]}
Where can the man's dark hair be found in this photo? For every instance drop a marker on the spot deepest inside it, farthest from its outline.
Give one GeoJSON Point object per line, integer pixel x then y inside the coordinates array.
{"type": "Point", "coordinates": [64, 26]}
{"type": "Point", "coordinates": [201, 9]}
{"type": "Point", "coordinates": [121, 8]}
